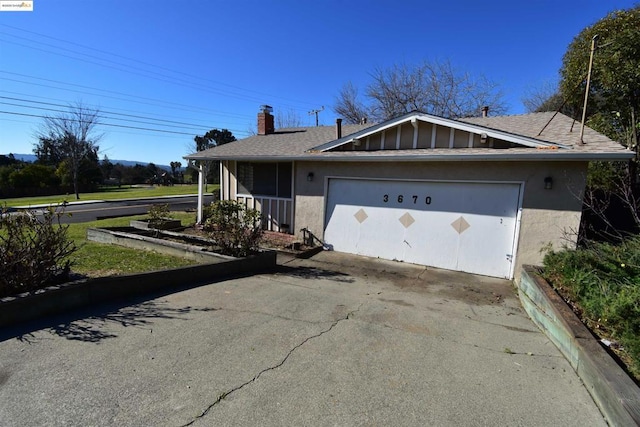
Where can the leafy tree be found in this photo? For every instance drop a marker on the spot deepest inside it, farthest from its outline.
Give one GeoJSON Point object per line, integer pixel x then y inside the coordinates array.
{"type": "Point", "coordinates": [211, 139]}
{"type": "Point", "coordinates": [33, 175]}
{"type": "Point", "coordinates": [611, 199]}
{"type": "Point", "coordinates": [69, 136]}
{"type": "Point", "coordinates": [106, 167]}
{"type": "Point", "coordinates": [614, 98]}
{"type": "Point", "coordinates": [175, 168]}
{"type": "Point", "coordinates": [430, 87]}
{"type": "Point", "coordinates": [7, 160]}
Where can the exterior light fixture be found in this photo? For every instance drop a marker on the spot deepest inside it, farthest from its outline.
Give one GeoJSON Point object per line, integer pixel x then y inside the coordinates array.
{"type": "Point", "coordinates": [548, 183]}
{"type": "Point", "coordinates": [310, 177]}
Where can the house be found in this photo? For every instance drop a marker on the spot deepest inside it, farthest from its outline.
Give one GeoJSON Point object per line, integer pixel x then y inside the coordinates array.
{"type": "Point", "coordinates": [482, 195]}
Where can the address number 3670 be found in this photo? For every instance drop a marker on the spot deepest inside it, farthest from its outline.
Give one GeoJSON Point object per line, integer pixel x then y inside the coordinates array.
{"type": "Point", "coordinates": [409, 199]}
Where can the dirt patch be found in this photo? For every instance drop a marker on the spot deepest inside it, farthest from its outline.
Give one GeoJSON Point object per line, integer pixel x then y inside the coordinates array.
{"type": "Point", "coordinates": [473, 289]}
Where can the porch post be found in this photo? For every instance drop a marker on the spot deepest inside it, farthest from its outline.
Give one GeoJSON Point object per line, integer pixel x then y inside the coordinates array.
{"type": "Point", "coordinates": [200, 192]}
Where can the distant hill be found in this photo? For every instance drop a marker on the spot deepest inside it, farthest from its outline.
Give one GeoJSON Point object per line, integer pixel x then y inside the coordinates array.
{"type": "Point", "coordinates": [32, 158]}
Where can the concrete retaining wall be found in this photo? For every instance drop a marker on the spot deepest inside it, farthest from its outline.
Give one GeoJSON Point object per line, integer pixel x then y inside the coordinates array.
{"type": "Point", "coordinates": [58, 299]}
{"type": "Point", "coordinates": [615, 393]}
{"type": "Point", "coordinates": [116, 236]}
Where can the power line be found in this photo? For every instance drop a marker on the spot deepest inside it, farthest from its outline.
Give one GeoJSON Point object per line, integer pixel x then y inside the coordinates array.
{"type": "Point", "coordinates": [154, 66]}
{"type": "Point", "coordinates": [102, 124]}
{"type": "Point", "coordinates": [102, 112]}
{"type": "Point", "coordinates": [183, 106]}
{"type": "Point", "coordinates": [165, 79]}
{"type": "Point", "coordinates": [100, 107]}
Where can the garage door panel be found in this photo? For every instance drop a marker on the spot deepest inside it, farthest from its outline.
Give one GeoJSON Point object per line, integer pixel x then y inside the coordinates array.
{"type": "Point", "coordinates": [454, 225]}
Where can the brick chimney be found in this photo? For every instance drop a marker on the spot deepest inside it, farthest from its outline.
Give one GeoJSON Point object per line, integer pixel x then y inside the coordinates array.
{"type": "Point", "coordinates": [265, 120]}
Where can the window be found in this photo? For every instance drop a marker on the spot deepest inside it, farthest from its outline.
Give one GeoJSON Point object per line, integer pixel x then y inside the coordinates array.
{"type": "Point", "coordinates": [264, 179]}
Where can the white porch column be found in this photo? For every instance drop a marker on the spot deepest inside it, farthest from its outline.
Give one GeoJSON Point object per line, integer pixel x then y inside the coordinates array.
{"type": "Point", "coordinates": [200, 192]}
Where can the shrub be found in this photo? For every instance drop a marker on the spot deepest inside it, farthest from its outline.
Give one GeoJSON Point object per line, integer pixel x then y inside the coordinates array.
{"type": "Point", "coordinates": [34, 250]}
{"type": "Point", "coordinates": [158, 212]}
{"type": "Point", "coordinates": [604, 280]}
{"type": "Point", "coordinates": [236, 229]}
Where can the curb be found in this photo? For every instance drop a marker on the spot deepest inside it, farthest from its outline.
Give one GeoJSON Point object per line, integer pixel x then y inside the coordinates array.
{"type": "Point", "coordinates": [615, 393]}
{"type": "Point", "coordinates": [83, 293]}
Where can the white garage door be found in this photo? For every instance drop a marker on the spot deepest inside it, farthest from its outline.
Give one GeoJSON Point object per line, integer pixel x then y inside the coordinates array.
{"type": "Point", "coordinates": [462, 226]}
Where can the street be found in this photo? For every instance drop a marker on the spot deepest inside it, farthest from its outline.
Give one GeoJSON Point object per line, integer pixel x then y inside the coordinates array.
{"type": "Point", "coordinates": [92, 210]}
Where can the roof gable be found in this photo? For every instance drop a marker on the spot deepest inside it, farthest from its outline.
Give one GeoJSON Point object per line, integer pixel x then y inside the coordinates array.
{"type": "Point", "coordinates": [477, 135]}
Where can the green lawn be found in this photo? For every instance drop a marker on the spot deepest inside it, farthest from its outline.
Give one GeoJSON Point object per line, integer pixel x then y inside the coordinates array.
{"type": "Point", "coordinates": [110, 193]}
{"type": "Point", "coordinates": [97, 259]}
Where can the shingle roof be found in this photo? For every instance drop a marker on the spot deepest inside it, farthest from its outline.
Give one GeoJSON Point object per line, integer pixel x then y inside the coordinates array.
{"type": "Point", "coordinates": [296, 143]}
{"type": "Point", "coordinates": [562, 129]}
{"type": "Point", "coordinates": [286, 143]}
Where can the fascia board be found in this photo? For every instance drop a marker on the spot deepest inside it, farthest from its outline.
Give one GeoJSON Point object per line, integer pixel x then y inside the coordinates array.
{"type": "Point", "coordinates": [428, 118]}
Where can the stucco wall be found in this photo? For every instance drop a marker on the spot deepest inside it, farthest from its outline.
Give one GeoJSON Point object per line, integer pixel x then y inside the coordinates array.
{"type": "Point", "coordinates": [549, 217]}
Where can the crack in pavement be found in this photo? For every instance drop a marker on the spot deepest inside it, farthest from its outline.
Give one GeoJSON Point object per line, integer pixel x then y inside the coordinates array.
{"type": "Point", "coordinates": [271, 368]}
{"type": "Point", "coordinates": [311, 322]}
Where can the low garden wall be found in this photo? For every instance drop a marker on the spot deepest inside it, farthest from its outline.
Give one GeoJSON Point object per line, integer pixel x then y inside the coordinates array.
{"type": "Point", "coordinates": [615, 393]}
{"type": "Point", "coordinates": [87, 292]}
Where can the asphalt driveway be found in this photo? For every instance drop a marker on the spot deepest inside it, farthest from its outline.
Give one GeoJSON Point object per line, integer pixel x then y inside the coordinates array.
{"type": "Point", "coordinates": [335, 340]}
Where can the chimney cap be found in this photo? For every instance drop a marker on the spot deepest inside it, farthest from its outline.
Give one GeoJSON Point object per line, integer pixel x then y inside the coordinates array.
{"type": "Point", "coordinates": [266, 108]}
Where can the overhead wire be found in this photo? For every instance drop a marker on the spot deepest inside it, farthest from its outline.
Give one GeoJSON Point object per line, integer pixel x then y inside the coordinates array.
{"type": "Point", "coordinates": [183, 106]}
{"type": "Point", "coordinates": [101, 111]}
{"type": "Point", "coordinates": [172, 80]}
{"type": "Point", "coordinates": [97, 107]}
{"type": "Point", "coordinates": [104, 124]}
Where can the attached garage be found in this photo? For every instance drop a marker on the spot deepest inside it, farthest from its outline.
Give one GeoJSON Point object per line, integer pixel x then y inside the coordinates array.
{"type": "Point", "coordinates": [464, 226]}
{"type": "Point", "coordinates": [483, 195]}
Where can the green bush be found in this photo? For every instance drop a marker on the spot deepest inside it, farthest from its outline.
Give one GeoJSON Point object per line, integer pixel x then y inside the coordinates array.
{"type": "Point", "coordinates": [604, 280]}
{"type": "Point", "coordinates": [158, 212]}
{"type": "Point", "coordinates": [236, 229]}
{"type": "Point", "coordinates": [34, 250]}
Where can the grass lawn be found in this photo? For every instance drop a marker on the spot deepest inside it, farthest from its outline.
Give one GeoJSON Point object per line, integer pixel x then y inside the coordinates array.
{"type": "Point", "coordinates": [96, 259]}
{"type": "Point", "coordinates": [110, 193]}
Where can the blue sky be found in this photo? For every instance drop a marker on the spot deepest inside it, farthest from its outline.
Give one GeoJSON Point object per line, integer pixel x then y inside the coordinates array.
{"type": "Point", "coordinates": [187, 67]}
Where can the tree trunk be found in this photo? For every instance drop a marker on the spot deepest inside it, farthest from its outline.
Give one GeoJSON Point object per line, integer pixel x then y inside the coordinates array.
{"type": "Point", "coordinates": [75, 182]}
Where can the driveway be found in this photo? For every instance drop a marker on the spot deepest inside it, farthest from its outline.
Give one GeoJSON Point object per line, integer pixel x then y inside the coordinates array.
{"type": "Point", "coordinates": [334, 340]}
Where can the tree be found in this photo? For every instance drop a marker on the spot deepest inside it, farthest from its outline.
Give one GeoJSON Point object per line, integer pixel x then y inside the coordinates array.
{"type": "Point", "coordinates": [211, 139]}
{"type": "Point", "coordinates": [430, 87]}
{"type": "Point", "coordinates": [175, 169]}
{"type": "Point", "coordinates": [612, 193]}
{"type": "Point", "coordinates": [70, 137]}
{"type": "Point", "coordinates": [614, 96]}
{"type": "Point", "coordinates": [288, 119]}
{"type": "Point", "coordinates": [106, 167]}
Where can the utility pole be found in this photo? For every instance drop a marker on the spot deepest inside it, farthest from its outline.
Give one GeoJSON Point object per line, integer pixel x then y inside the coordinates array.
{"type": "Point", "coordinates": [316, 113]}
{"type": "Point", "coordinates": [586, 92]}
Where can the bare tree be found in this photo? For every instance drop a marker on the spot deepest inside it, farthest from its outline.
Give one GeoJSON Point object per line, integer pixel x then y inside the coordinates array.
{"type": "Point", "coordinates": [70, 136]}
{"type": "Point", "coordinates": [348, 106]}
{"type": "Point", "coordinates": [542, 97]}
{"type": "Point", "coordinates": [288, 119]}
{"type": "Point", "coordinates": [430, 87]}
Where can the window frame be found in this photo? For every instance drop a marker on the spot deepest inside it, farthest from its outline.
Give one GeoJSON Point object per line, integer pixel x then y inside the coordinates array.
{"type": "Point", "coordinates": [242, 191]}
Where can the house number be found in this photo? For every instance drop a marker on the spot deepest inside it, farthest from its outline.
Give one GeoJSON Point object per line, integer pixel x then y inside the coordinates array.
{"type": "Point", "coordinates": [427, 200]}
